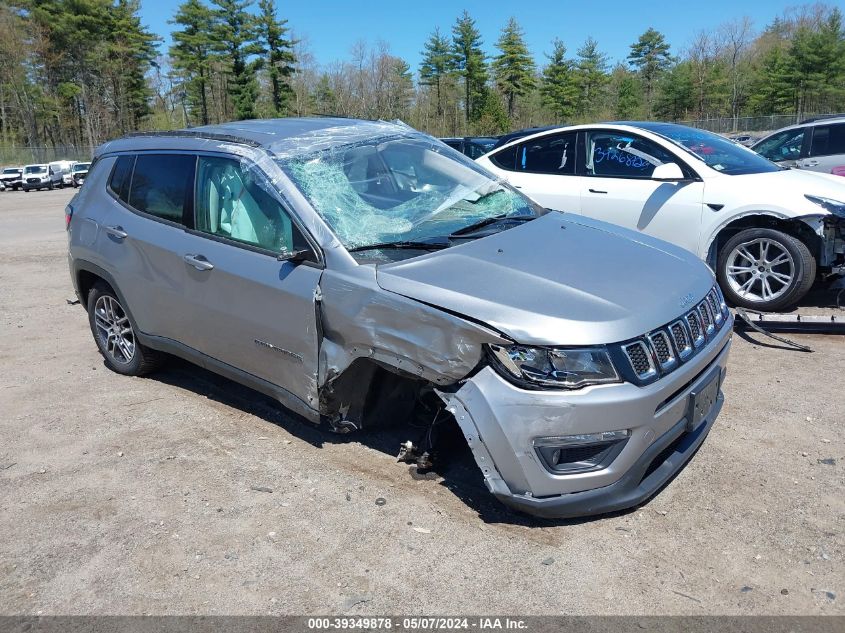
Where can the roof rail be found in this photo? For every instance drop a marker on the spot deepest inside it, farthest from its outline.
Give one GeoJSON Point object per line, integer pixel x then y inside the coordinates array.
{"type": "Point", "coordinates": [211, 136]}
{"type": "Point", "coordinates": [823, 117]}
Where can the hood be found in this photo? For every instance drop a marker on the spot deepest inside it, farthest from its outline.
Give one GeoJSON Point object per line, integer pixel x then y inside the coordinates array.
{"type": "Point", "coordinates": [557, 280]}
{"type": "Point", "coordinates": [793, 182]}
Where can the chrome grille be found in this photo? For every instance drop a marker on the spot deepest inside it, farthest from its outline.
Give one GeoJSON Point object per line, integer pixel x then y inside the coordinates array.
{"type": "Point", "coordinates": [661, 351]}
{"type": "Point", "coordinates": [640, 359]}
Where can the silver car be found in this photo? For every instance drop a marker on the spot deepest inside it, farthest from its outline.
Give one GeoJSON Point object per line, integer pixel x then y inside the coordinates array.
{"type": "Point", "coordinates": [816, 144]}
{"type": "Point", "coordinates": [362, 273]}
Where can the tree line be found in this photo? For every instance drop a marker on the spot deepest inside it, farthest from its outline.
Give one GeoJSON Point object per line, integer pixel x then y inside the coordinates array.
{"type": "Point", "coordinates": [78, 72]}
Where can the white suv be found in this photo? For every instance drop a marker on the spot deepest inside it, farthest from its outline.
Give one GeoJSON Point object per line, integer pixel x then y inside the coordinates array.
{"type": "Point", "coordinates": [768, 232]}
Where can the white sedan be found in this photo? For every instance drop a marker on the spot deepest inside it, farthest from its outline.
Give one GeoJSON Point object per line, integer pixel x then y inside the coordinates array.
{"type": "Point", "coordinates": [768, 232]}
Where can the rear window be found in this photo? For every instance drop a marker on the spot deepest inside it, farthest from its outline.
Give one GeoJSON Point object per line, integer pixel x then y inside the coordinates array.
{"type": "Point", "coordinates": [162, 185]}
{"type": "Point", "coordinates": [828, 140]}
{"type": "Point", "coordinates": [158, 184]}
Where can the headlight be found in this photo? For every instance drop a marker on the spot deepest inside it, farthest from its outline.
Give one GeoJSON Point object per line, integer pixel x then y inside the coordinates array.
{"type": "Point", "coordinates": [554, 367]}
{"type": "Point", "coordinates": [834, 206]}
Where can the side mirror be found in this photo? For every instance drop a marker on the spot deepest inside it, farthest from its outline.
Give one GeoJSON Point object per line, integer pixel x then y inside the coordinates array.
{"type": "Point", "coordinates": [668, 172]}
{"type": "Point", "coordinates": [296, 256]}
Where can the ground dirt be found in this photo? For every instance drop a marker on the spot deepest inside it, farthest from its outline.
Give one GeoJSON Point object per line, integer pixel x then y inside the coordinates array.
{"type": "Point", "coordinates": [150, 495]}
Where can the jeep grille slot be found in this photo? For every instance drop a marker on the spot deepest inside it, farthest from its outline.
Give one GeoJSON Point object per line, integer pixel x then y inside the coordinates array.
{"type": "Point", "coordinates": [640, 359]}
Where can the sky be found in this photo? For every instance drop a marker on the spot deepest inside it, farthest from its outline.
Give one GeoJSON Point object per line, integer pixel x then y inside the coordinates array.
{"type": "Point", "coordinates": [331, 27]}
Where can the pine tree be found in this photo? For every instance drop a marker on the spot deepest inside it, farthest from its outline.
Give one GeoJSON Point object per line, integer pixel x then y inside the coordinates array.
{"type": "Point", "coordinates": [650, 56]}
{"type": "Point", "coordinates": [513, 68]}
{"type": "Point", "coordinates": [559, 87]}
{"type": "Point", "coordinates": [591, 75]}
{"type": "Point", "coordinates": [628, 91]}
{"type": "Point", "coordinates": [235, 37]}
{"type": "Point", "coordinates": [191, 52]}
{"type": "Point", "coordinates": [469, 63]}
{"type": "Point", "coordinates": [277, 53]}
{"type": "Point", "coordinates": [437, 63]}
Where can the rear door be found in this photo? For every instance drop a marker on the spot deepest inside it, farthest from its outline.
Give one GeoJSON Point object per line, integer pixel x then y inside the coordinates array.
{"type": "Point", "coordinates": [141, 237]}
{"type": "Point", "coordinates": [617, 188]}
{"type": "Point", "coordinates": [543, 168]}
{"type": "Point", "coordinates": [827, 148]}
{"type": "Point", "coordinates": [245, 307]}
{"type": "Point", "coordinates": [784, 148]}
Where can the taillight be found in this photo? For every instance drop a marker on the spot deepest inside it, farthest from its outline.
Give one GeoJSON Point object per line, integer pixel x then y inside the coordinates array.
{"type": "Point", "coordinates": [68, 216]}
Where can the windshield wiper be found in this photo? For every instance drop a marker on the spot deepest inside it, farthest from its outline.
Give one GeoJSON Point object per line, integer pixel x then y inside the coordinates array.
{"type": "Point", "coordinates": [434, 246]}
{"type": "Point", "coordinates": [472, 228]}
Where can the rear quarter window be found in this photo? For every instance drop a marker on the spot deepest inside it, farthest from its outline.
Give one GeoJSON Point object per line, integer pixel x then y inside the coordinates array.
{"type": "Point", "coordinates": [506, 159]}
{"type": "Point", "coordinates": [121, 176]}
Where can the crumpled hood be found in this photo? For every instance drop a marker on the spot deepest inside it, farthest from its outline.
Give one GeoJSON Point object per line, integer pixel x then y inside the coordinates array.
{"type": "Point", "coordinates": [557, 280]}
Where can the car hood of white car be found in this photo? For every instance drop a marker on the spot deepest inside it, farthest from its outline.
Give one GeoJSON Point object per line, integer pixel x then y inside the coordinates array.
{"type": "Point", "coordinates": [786, 188]}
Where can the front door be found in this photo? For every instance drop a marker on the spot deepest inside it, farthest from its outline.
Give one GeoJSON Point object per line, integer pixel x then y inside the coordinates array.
{"type": "Point", "coordinates": [617, 188]}
{"type": "Point", "coordinates": [248, 309]}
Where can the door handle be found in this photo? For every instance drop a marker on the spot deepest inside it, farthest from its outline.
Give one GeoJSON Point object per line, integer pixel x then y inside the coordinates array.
{"type": "Point", "coordinates": [198, 261]}
{"type": "Point", "coordinates": [117, 231]}
{"type": "Point", "coordinates": [596, 191]}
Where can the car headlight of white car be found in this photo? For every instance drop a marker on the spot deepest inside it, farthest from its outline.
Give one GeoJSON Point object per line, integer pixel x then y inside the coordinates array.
{"type": "Point", "coordinates": [834, 206]}
{"type": "Point", "coordinates": [541, 367]}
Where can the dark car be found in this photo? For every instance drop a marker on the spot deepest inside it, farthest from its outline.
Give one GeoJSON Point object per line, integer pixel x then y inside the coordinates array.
{"type": "Point", "coordinates": [504, 139]}
{"type": "Point", "coordinates": [472, 146]}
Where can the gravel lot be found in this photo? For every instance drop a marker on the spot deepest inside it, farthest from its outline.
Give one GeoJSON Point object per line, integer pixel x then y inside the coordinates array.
{"type": "Point", "coordinates": [138, 495]}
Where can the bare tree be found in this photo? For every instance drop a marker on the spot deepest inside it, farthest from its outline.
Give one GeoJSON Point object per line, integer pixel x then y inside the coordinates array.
{"type": "Point", "coordinates": [735, 39]}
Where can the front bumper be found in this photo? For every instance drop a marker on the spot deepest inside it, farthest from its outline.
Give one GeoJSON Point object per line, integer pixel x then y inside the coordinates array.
{"type": "Point", "coordinates": [501, 422]}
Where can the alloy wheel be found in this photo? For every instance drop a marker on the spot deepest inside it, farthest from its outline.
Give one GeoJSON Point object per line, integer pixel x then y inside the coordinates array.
{"type": "Point", "coordinates": [114, 330]}
{"type": "Point", "coordinates": [760, 270]}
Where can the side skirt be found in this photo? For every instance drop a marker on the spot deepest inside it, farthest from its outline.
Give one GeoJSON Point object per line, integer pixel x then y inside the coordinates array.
{"type": "Point", "coordinates": [282, 395]}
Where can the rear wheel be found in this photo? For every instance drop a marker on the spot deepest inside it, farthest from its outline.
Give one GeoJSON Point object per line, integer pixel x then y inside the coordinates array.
{"type": "Point", "coordinates": [115, 335]}
{"type": "Point", "coordinates": [765, 269]}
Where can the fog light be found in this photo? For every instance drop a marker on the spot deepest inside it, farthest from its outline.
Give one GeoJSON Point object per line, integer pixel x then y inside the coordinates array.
{"type": "Point", "coordinates": [569, 454]}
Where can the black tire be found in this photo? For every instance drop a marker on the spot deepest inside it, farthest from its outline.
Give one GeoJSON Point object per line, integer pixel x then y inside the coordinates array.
{"type": "Point", "coordinates": [142, 360]}
{"type": "Point", "coordinates": [799, 267]}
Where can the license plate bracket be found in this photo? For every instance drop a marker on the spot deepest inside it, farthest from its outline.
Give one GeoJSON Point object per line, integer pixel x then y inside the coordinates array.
{"type": "Point", "coordinates": [701, 402]}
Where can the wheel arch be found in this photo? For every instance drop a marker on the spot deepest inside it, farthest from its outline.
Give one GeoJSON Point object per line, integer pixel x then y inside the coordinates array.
{"type": "Point", "coordinates": [796, 227]}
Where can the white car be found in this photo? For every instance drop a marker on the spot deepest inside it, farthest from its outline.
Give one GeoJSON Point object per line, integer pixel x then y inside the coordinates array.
{"type": "Point", "coordinates": [768, 232]}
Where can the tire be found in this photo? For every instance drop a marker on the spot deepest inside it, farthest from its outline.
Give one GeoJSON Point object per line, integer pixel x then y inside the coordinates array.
{"type": "Point", "coordinates": [122, 352]}
{"type": "Point", "coordinates": [765, 269]}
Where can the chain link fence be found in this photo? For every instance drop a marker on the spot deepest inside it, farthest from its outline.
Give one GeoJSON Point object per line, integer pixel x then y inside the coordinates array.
{"type": "Point", "coordinates": [728, 125]}
{"type": "Point", "coordinates": [18, 156]}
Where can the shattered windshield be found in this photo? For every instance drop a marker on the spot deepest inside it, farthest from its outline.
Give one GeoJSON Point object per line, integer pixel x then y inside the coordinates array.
{"type": "Point", "coordinates": [716, 151]}
{"type": "Point", "coordinates": [400, 189]}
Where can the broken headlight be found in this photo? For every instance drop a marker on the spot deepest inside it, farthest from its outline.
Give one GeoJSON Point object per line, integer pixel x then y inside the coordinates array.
{"type": "Point", "coordinates": [554, 367]}
{"type": "Point", "coordinates": [834, 206]}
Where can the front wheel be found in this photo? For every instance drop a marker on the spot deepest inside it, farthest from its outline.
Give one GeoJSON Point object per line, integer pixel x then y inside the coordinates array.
{"type": "Point", "coordinates": [765, 269]}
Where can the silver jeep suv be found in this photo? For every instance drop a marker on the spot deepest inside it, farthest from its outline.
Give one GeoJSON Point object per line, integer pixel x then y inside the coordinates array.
{"type": "Point", "coordinates": [362, 273]}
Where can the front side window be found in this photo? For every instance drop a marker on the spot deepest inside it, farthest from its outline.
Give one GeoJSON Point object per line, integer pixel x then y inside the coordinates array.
{"type": "Point", "coordinates": [406, 188]}
{"type": "Point", "coordinates": [162, 184]}
{"type": "Point", "coordinates": [828, 140]}
{"type": "Point", "coordinates": [622, 155]}
{"type": "Point", "coordinates": [231, 203]}
{"type": "Point", "coordinates": [783, 146]}
{"type": "Point", "coordinates": [552, 154]}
